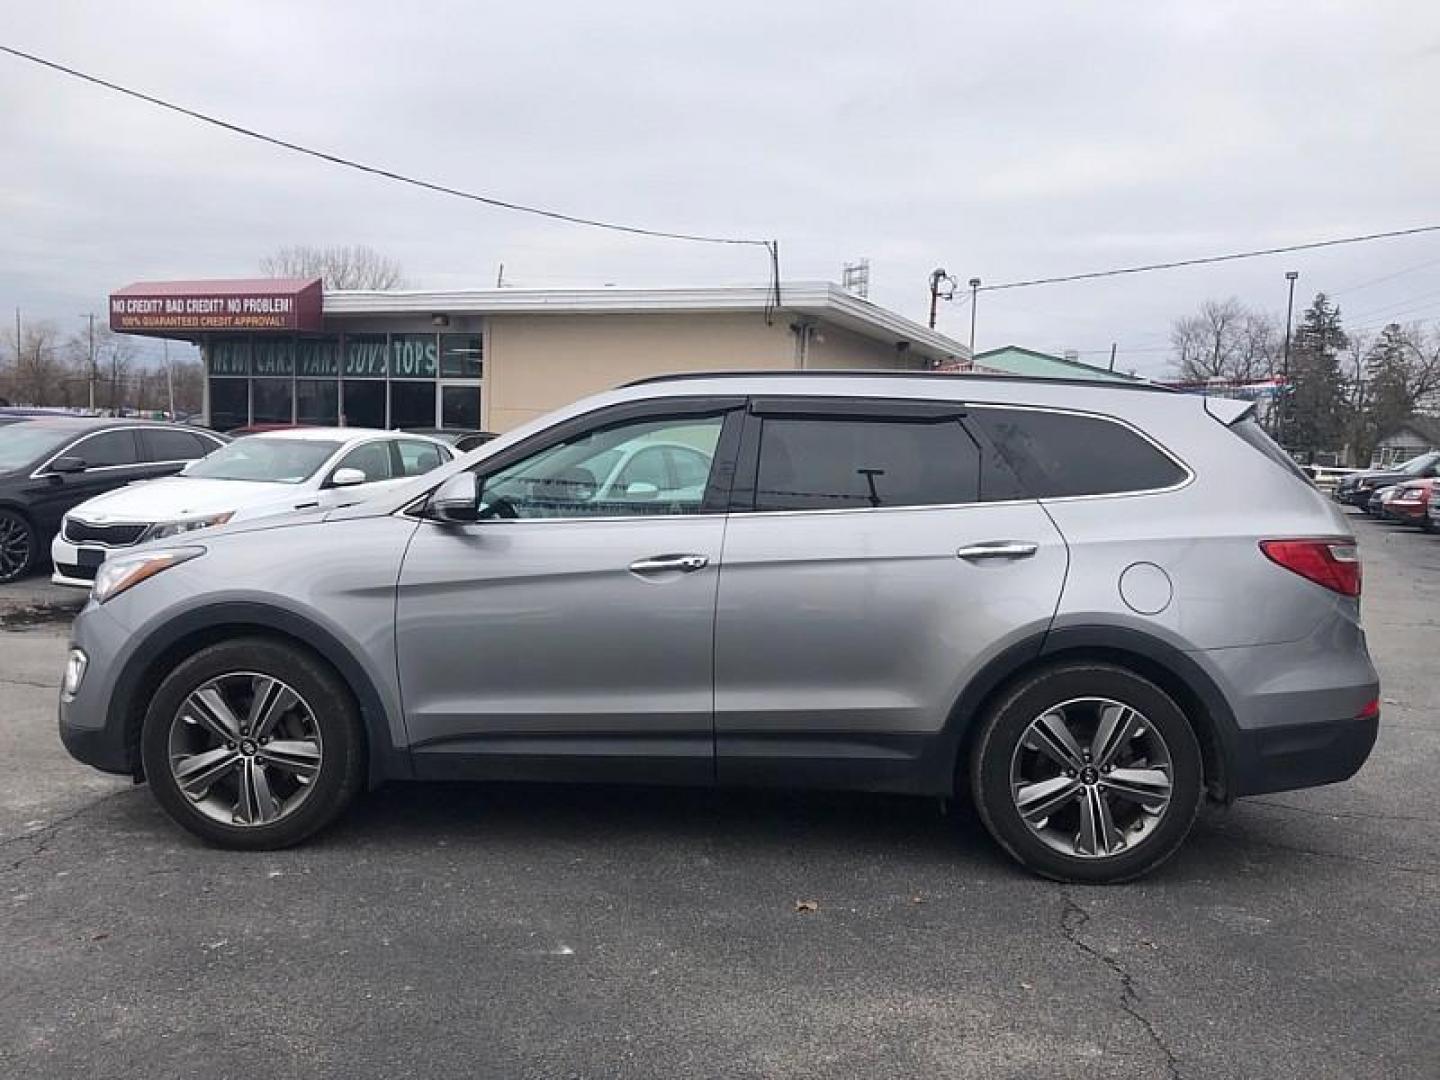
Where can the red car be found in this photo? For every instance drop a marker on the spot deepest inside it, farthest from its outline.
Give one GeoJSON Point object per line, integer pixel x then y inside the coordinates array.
{"type": "Point", "coordinates": [1411, 503]}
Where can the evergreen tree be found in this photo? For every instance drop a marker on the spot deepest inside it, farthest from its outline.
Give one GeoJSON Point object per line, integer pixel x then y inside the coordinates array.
{"type": "Point", "coordinates": [1389, 394]}
{"type": "Point", "coordinates": [1315, 407]}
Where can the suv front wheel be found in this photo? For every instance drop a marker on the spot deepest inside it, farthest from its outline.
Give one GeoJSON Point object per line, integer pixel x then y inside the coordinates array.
{"type": "Point", "coordinates": [253, 744]}
{"type": "Point", "coordinates": [1087, 772]}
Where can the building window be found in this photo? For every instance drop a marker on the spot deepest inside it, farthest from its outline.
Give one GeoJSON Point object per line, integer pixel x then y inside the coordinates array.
{"type": "Point", "coordinates": [274, 401]}
{"type": "Point", "coordinates": [229, 403]}
{"type": "Point", "coordinates": [365, 356]}
{"type": "Point", "coordinates": [412, 356]}
{"type": "Point", "coordinates": [412, 404]}
{"type": "Point", "coordinates": [460, 407]}
{"type": "Point", "coordinates": [364, 405]}
{"type": "Point", "coordinates": [229, 356]}
{"type": "Point", "coordinates": [460, 356]}
{"type": "Point", "coordinates": [317, 357]}
{"type": "Point", "coordinates": [273, 356]}
{"type": "Point", "coordinates": [317, 402]}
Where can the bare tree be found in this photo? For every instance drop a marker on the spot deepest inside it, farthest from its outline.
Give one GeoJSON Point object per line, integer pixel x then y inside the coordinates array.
{"type": "Point", "coordinates": [343, 267]}
{"type": "Point", "coordinates": [36, 374]}
{"type": "Point", "coordinates": [1224, 340]}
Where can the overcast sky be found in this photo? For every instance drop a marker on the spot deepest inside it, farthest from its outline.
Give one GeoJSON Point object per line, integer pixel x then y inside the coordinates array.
{"type": "Point", "coordinates": [1001, 141]}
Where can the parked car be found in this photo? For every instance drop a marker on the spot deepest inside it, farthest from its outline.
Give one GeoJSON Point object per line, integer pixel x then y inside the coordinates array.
{"type": "Point", "coordinates": [1375, 506]}
{"type": "Point", "coordinates": [1410, 503]}
{"type": "Point", "coordinates": [50, 464]}
{"type": "Point", "coordinates": [1432, 517]}
{"type": "Point", "coordinates": [1357, 488]}
{"type": "Point", "coordinates": [462, 439]}
{"type": "Point", "coordinates": [256, 476]}
{"type": "Point", "coordinates": [1049, 596]}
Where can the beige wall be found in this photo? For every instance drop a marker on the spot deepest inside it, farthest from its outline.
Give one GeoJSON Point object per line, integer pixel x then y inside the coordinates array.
{"type": "Point", "coordinates": [535, 363]}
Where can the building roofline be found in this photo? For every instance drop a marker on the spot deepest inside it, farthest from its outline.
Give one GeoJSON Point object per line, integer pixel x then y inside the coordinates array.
{"type": "Point", "coordinates": [979, 358]}
{"type": "Point", "coordinates": [821, 299]}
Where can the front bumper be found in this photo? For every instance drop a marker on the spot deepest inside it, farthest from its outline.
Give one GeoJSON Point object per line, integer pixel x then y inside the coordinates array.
{"type": "Point", "coordinates": [91, 731]}
{"type": "Point", "coordinates": [74, 565]}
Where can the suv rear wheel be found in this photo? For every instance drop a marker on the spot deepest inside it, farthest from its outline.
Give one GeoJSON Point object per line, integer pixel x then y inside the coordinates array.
{"type": "Point", "coordinates": [1087, 772]}
{"type": "Point", "coordinates": [253, 744]}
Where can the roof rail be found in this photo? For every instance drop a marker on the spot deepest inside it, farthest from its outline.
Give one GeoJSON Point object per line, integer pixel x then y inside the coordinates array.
{"type": "Point", "coordinates": [1043, 380]}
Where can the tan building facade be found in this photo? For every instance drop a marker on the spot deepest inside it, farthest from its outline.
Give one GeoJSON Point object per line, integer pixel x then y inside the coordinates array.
{"type": "Point", "coordinates": [496, 358]}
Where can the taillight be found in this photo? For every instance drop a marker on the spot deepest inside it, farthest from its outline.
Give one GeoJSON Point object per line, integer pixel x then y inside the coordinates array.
{"type": "Point", "coordinates": [1334, 564]}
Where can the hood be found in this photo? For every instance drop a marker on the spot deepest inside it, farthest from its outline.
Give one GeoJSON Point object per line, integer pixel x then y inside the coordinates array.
{"type": "Point", "coordinates": [181, 497]}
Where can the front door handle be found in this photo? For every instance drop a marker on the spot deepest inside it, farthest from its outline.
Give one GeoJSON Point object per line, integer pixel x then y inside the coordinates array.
{"type": "Point", "coordinates": [999, 549]}
{"type": "Point", "coordinates": [662, 564]}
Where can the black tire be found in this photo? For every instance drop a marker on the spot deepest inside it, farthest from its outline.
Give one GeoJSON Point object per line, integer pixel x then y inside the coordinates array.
{"type": "Point", "coordinates": [1006, 725]}
{"type": "Point", "coordinates": [341, 770]}
{"type": "Point", "coordinates": [19, 546]}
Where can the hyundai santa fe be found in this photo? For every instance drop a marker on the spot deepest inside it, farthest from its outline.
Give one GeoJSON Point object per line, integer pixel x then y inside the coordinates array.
{"type": "Point", "coordinates": [1040, 595]}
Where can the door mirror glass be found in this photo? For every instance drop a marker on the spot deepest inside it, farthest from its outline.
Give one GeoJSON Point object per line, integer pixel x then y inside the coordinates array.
{"type": "Point", "coordinates": [68, 464]}
{"type": "Point", "coordinates": [347, 478]}
{"type": "Point", "coordinates": [642, 491]}
{"type": "Point", "coordinates": [457, 499]}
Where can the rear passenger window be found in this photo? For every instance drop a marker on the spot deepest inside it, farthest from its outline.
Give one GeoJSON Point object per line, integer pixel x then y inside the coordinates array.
{"type": "Point", "coordinates": [839, 463]}
{"type": "Point", "coordinates": [1061, 454]}
{"type": "Point", "coordinates": [162, 445]}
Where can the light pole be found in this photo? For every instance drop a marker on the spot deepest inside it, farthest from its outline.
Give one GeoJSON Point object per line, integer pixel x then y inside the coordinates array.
{"type": "Point", "coordinates": [974, 292]}
{"type": "Point", "coordinates": [1290, 276]}
{"type": "Point", "coordinates": [942, 287]}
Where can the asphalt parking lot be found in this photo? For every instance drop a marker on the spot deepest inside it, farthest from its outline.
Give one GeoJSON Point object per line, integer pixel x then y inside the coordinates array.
{"type": "Point", "coordinates": [598, 932]}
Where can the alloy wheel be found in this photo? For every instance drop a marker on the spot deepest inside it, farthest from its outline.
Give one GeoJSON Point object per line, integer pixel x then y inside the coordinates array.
{"type": "Point", "coordinates": [1091, 777]}
{"type": "Point", "coordinates": [14, 547]}
{"type": "Point", "coordinates": [245, 749]}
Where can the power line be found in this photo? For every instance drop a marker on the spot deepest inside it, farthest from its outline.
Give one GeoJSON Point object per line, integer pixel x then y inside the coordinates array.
{"type": "Point", "coordinates": [1231, 257]}
{"type": "Point", "coordinates": [387, 174]}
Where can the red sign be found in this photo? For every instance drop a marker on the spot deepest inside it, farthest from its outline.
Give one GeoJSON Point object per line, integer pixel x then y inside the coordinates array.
{"type": "Point", "coordinates": [263, 304]}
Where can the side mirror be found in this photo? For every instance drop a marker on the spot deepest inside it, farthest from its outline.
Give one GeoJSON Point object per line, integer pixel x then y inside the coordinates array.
{"type": "Point", "coordinates": [68, 464]}
{"type": "Point", "coordinates": [641, 490]}
{"type": "Point", "coordinates": [457, 500]}
{"type": "Point", "coordinates": [348, 477]}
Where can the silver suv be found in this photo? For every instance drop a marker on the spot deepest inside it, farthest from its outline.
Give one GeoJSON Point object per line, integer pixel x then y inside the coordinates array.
{"type": "Point", "coordinates": [1049, 597]}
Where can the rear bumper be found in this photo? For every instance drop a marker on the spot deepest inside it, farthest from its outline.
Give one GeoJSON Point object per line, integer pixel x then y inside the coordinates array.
{"type": "Point", "coordinates": [1302, 755]}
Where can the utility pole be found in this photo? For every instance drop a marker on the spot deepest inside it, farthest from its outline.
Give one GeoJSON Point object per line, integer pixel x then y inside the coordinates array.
{"type": "Point", "coordinates": [169, 377]}
{"type": "Point", "coordinates": [92, 361]}
{"type": "Point", "coordinates": [942, 287]}
{"type": "Point", "coordinates": [1112, 356]}
{"type": "Point", "coordinates": [1290, 276]}
{"type": "Point", "coordinates": [500, 277]}
{"type": "Point", "coordinates": [974, 292]}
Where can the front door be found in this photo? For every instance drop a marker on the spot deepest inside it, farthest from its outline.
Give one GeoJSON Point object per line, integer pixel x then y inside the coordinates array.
{"type": "Point", "coordinates": [569, 633]}
{"type": "Point", "coordinates": [864, 581]}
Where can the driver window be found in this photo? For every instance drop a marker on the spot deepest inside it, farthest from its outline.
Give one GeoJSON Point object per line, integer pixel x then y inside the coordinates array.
{"type": "Point", "coordinates": [621, 471]}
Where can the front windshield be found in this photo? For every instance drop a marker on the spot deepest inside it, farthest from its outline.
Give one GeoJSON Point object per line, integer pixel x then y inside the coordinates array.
{"type": "Point", "coordinates": [21, 444]}
{"type": "Point", "coordinates": [1417, 464]}
{"type": "Point", "coordinates": [280, 461]}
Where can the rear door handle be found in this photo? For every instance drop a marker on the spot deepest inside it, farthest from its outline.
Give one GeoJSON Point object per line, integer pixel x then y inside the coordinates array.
{"type": "Point", "coordinates": [662, 564]}
{"type": "Point", "coordinates": [998, 549]}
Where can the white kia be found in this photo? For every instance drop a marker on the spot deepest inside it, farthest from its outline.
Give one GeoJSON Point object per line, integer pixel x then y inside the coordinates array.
{"type": "Point", "coordinates": [270, 473]}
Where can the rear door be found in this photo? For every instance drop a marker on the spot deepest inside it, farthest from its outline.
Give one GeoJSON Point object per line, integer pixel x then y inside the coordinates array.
{"type": "Point", "coordinates": [865, 579]}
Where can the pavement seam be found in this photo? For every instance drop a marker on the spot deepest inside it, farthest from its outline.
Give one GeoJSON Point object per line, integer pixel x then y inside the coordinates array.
{"type": "Point", "coordinates": [1073, 919]}
{"type": "Point", "coordinates": [1334, 813]}
{"type": "Point", "coordinates": [42, 836]}
{"type": "Point", "coordinates": [1398, 868]}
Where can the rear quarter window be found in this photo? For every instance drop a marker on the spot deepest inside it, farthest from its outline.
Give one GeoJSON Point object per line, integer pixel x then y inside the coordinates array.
{"type": "Point", "coordinates": [1059, 455]}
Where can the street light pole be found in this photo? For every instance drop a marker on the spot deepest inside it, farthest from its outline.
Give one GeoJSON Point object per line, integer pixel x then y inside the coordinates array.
{"type": "Point", "coordinates": [974, 292]}
{"type": "Point", "coordinates": [1290, 276]}
{"type": "Point", "coordinates": [942, 287]}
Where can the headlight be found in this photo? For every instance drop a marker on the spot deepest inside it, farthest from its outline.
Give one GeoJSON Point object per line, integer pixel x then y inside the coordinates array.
{"type": "Point", "coordinates": [162, 529]}
{"type": "Point", "coordinates": [123, 572]}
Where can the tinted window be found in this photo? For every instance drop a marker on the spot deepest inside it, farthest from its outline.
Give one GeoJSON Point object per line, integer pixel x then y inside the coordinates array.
{"type": "Point", "coordinates": [835, 464]}
{"type": "Point", "coordinates": [373, 459]}
{"type": "Point", "coordinates": [419, 457]}
{"type": "Point", "coordinates": [1060, 454]}
{"type": "Point", "coordinates": [590, 475]}
{"type": "Point", "coordinates": [162, 445]}
{"type": "Point", "coordinates": [107, 448]}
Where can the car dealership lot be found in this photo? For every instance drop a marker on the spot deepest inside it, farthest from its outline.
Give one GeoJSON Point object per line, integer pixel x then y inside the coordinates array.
{"type": "Point", "coordinates": [532, 931]}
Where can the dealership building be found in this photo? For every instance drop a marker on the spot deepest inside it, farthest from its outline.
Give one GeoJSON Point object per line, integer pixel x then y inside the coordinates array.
{"type": "Point", "coordinates": [279, 351]}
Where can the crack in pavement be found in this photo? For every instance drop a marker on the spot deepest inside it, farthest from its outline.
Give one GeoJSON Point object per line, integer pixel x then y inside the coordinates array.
{"type": "Point", "coordinates": [1272, 845]}
{"type": "Point", "coordinates": [42, 836]}
{"type": "Point", "coordinates": [31, 682]}
{"type": "Point", "coordinates": [1073, 919]}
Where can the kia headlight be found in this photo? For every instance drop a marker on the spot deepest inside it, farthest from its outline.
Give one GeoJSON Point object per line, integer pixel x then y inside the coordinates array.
{"type": "Point", "coordinates": [160, 530]}
{"type": "Point", "coordinates": [121, 572]}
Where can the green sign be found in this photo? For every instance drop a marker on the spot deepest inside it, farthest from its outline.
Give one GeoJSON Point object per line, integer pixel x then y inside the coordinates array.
{"type": "Point", "coordinates": [413, 356]}
{"type": "Point", "coordinates": [317, 358]}
{"type": "Point", "coordinates": [365, 356]}
{"type": "Point", "coordinates": [229, 357]}
{"type": "Point", "coordinates": [274, 356]}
